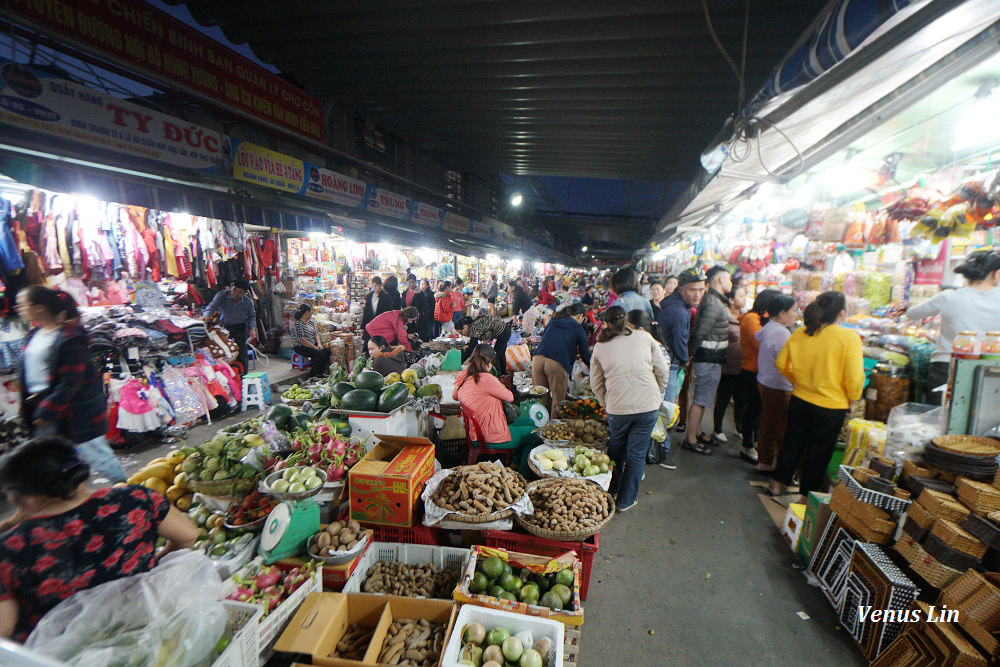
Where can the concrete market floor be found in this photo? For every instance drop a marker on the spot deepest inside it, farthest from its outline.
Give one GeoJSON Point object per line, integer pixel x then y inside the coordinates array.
{"type": "Point", "coordinates": [698, 574]}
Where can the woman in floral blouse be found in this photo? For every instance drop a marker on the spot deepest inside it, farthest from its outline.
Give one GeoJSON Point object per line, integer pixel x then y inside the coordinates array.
{"type": "Point", "coordinates": [65, 537]}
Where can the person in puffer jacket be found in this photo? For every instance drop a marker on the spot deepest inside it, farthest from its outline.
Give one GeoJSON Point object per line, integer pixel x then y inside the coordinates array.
{"type": "Point", "coordinates": [708, 346]}
{"type": "Point", "coordinates": [443, 308]}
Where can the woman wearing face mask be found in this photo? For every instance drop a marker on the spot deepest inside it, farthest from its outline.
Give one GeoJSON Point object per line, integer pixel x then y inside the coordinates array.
{"type": "Point", "coordinates": [65, 537]}
{"type": "Point", "coordinates": [975, 307]}
{"type": "Point", "coordinates": [774, 388]}
{"type": "Point", "coordinates": [824, 363]}
{"type": "Point", "coordinates": [63, 392]}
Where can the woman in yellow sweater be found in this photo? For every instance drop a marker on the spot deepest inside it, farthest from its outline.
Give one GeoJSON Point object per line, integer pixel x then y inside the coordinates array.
{"type": "Point", "coordinates": [823, 361]}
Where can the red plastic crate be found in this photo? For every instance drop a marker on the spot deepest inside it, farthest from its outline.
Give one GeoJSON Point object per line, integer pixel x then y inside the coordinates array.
{"type": "Point", "coordinates": [419, 534]}
{"type": "Point", "coordinates": [529, 544]}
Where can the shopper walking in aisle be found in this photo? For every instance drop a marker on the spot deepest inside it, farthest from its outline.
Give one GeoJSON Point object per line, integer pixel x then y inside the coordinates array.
{"type": "Point", "coordinates": [729, 383]}
{"type": "Point", "coordinates": [625, 284]}
{"type": "Point", "coordinates": [375, 305]}
{"type": "Point", "coordinates": [774, 388]}
{"type": "Point", "coordinates": [392, 326]}
{"type": "Point", "coordinates": [390, 292]}
{"type": "Point", "coordinates": [307, 342]}
{"type": "Point", "coordinates": [62, 391]}
{"type": "Point", "coordinates": [656, 296]}
{"type": "Point", "coordinates": [491, 291]}
{"type": "Point", "coordinates": [386, 359]}
{"type": "Point", "coordinates": [675, 324]}
{"type": "Point", "coordinates": [628, 374]}
{"type": "Point", "coordinates": [669, 285]}
{"type": "Point", "coordinates": [65, 537]}
{"type": "Point", "coordinates": [443, 308]}
{"type": "Point", "coordinates": [975, 307]}
{"type": "Point", "coordinates": [750, 323]}
{"type": "Point", "coordinates": [423, 301]}
{"type": "Point", "coordinates": [483, 397]}
{"type": "Point", "coordinates": [708, 345]}
{"type": "Point", "coordinates": [235, 310]}
{"type": "Point", "coordinates": [486, 329]}
{"type": "Point", "coordinates": [457, 301]}
{"type": "Point", "coordinates": [562, 340]}
{"type": "Point", "coordinates": [823, 361]}
{"type": "Point", "coordinates": [409, 295]}
{"type": "Point", "coordinates": [518, 298]}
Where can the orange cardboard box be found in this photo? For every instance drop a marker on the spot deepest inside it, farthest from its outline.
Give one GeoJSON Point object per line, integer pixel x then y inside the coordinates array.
{"type": "Point", "coordinates": [385, 485]}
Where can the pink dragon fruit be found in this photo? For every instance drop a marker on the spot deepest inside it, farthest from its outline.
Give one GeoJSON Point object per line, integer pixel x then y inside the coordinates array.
{"type": "Point", "coordinates": [267, 577]}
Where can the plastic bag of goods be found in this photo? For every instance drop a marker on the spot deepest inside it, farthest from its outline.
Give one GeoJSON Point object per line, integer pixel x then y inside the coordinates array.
{"type": "Point", "coordinates": [169, 617]}
{"type": "Point", "coordinates": [911, 426]}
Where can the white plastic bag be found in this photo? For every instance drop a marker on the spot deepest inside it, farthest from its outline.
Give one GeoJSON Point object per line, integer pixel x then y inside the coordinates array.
{"type": "Point", "coordinates": [168, 617]}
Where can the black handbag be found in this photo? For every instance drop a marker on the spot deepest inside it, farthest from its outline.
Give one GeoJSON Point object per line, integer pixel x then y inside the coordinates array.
{"type": "Point", "coordinates": [510, 412]}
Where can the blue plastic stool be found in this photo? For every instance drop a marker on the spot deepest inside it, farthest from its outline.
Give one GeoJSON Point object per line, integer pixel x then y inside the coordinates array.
{"type": "Point", "coordinates": [266, 386]}
{"type": "Point", "coordinates": [299, 362]}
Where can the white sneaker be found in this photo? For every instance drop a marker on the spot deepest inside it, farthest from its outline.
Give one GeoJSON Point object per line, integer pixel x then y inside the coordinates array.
{"type": "Point", "coordinates": [721, 437]}
{"type": "Point", "coordinates": [668, 466]}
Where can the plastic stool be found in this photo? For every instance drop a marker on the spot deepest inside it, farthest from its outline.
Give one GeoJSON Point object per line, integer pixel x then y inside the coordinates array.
{"type": "Point", "coordinates": [253, 393]}
{"type": "Point", "coordinates": [299, 362]}
{"type": "Point", "coordinates": [251, 358]}
{"type": "Point", "coordinates": [268, 397]}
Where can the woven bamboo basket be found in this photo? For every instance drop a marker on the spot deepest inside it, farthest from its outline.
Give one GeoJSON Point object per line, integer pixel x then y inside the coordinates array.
{"type": "Point", "coordinates": [947, 555]}
{"type": "Point", "coordinates": [955, 537]}
{"type": "Point", "coordinates": [968, 444]}
{"type": "Point", "coordinates": [486, 518]}
{"type": "Point", "coordinates": [953, 645]}
{"type": "Point", "coordinates": [911, 469]}
{"type": "Point", "coordinates": [943, 506]}
{"type": "Point", "coordinates": [933, 572]}
{"type": "Point", "coordinates": [919, 514]}
{"type": "Point", "coordinates": [914, 529]}
{"type": "Point", "coordinates": [977, 598]}
{"type": "Point", "coordinates": [563, 536]}
{"type": "Point", "coordinates": [979, 497]}
{"type": "Point", "coordinates": [985, 530]}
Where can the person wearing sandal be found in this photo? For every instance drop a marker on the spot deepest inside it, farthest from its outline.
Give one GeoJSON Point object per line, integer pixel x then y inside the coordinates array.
{"type": "Point", "coordinates": [824, 363]}
{"type": "Point", "coordinates": [730, 389]}
{"type": "Point", "coordinates": [773, 387]}
{"type": "Point", "coordinates": [708, 347]}
{"type": "Point", "coordinates": [628, 374]}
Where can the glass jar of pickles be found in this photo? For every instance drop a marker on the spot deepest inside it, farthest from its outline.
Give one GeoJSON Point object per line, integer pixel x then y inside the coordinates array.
{"type": "Point", "coordinates": [990, 347]}
{"type": "Point", "coordinates": [965, 345]}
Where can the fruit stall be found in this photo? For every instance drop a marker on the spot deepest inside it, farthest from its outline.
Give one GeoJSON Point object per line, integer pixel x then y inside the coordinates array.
{"type": "Point", "coordinates": [335, 541]}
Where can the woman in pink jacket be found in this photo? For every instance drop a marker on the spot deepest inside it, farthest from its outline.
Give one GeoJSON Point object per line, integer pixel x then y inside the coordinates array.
{"type": "Point", "coordinates": [482, 395]}
{"type": "Point", "coordinates": [391, 325]}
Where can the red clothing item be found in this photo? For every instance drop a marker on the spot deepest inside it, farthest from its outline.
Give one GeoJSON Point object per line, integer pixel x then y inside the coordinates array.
{"type": "Point", "coordinates": [442, 307]}
{"type": "Point", "coordinates": [483, 400]}
{"type": "Point", "coordinates": [390, 326]}
{"type": "Point", "coordinates": [149, 238]}
{"type": "Point", "coordinates": [457, 302]}
{"type": "Point", "coordinates": [545, 298]}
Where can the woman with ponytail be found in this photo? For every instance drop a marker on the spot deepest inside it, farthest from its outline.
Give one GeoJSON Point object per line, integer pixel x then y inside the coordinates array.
{"type": "Point", "coordinates": [65, 537]}
{"type": "Point", "coordinates": [975, 307]}
{"type": "Point", "coordinates": [823, 361]}
{"type": "Point", "coordinates": [482, 395]}
{"type": "Point", "coordinates": [628, 374]}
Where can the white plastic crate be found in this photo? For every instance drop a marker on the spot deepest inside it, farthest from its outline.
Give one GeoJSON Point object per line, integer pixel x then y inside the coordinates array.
{"type": "Point", "coordinates": [274, 623]}
{"type": "Point", "coordinates": [243, 649]}
{"type": "Point", "coordinates": [410, 554]}
{"type": "Point", "coordinates": [491, 618]}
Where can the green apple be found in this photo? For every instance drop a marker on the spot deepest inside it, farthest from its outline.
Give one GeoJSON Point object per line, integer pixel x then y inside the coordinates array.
{"type": "Point", "coordinates": [296, 487]}
{"type": "Point", "coordinates": [280, 485]}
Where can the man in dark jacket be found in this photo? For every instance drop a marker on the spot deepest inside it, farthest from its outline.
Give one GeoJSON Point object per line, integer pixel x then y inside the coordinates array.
{"type": "Point", "coordinates": [707, 346]}
{"type": "Point", "coordinates": [675, 324]}
{"type": "Point", "coordinates": [519, 299]}
{"type": "Point", "coordinates": [376, 303]}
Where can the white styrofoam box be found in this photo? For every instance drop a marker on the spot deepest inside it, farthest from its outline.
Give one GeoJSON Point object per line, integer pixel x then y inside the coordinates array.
{"type": "Point", "coordinates": [244, 648]}
{"type": "Point", "coordinates": [514, 623]}
{"type": "Point", "coordinates": [447, 383]}
{"type": "Point", "coordinates": [410, 554]}
{"type": "Point", "coordinates": [402, 422]}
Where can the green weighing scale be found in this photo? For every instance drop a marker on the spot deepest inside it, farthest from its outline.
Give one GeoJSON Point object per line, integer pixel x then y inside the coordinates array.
{"type": "Point", "coordinates": [289, 526]}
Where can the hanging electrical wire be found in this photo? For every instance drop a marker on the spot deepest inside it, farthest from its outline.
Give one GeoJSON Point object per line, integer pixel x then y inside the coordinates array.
{"type": "Point", "coordinates": [746, 128]}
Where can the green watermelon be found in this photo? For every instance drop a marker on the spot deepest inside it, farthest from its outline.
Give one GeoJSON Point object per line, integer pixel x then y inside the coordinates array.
{"type": "Point", "coordinates": [360, 400]}
{"type": "Point", "coordinates": [370, 380]}
{"type": "Point", "coordinates": [341, 388]}
{"type": "Point", "coordinates": [393, 396]}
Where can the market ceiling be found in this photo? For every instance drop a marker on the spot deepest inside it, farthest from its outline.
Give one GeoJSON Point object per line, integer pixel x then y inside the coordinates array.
{"type": "Point", "coordinates": [627, 89]}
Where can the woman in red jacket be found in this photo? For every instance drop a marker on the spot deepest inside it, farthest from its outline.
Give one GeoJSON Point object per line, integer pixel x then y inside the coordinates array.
{"type": "Point", "coordinates": [392, 326]}
{"type": "Point", "coordinates": [443, 309]}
